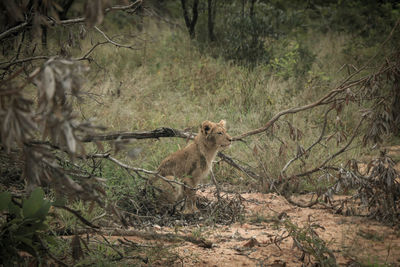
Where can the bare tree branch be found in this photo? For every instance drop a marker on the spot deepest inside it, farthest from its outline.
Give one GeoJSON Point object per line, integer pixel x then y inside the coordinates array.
{"type": "Point", "coordinates": [78, 215]}
{"type": "Point", "coordinates": [169, 237]}
{"type": "Point", "coordinates": [53, 22]}
{"type": "Point", "coordinates": [87, 54]}
{"type": "Point", "coordinates": [136, 3]}
{"type": "Point", "coordinates": [322, 166]}
{"type": "Point", "coordinates": [157, 133]}
{"type": "Point", "coordinates": [23, 60]}
{"type": "Point", "coordinates": [340, 151]}
{"type": "Point", "coordinates": [231, 162]}
{"type": "Point", "coordinates": [13, 29]}
{"type": "Point", "coordinates": [111, 41]}
{"type": "Point", "coordinates": [283, 171]}
{"type": "Point", "coordinates": [322, 101]}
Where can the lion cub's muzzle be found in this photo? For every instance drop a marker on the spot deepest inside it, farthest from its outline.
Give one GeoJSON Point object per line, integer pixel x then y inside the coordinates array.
{"type": "Point", "coordinates": [228, 143]}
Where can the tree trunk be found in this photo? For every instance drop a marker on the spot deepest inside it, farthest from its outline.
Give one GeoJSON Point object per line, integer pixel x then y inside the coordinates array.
{"type": "Point", "coordinates": [396, 105]}
{"type": "Point", "coordinates": [190, 22]}
{"type": "Point", "coordinates": [243, 7]}
{"type": "Point", "coordinates": [211, 19]}
{"type": "Point", "coordinates": [44, 36]}
{"type": "Point", "coordinates": [66, 4]}
{"type": "Point", "coordinates": [252, 8]}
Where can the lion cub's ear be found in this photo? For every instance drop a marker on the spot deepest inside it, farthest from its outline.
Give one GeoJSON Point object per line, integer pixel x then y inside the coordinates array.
{"type": "Point", "coordinates": [206, 127]}
{"type": "Point", "coordinates": [222, 123]}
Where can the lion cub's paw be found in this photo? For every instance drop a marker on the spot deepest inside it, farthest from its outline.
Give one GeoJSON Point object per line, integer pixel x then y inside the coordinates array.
{"type": "Point", "coordinates": [191, 210]}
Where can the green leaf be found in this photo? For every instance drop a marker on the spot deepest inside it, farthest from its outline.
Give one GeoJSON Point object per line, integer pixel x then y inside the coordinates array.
{"type": "Point", "coordinates": [44, 209]}
{"type": "Point", "coordinates": [5, 199]}
{"type": "Point", "coordinates": [24, 240]}
{"type": "Point", "coordinates": [30, 228]}
{"type": "Point", "coordinates": [60, 201]}
{"type": "Point", "coordinates": [14, 209]}
{"type": "Point", "coordinates": [43, 226]}
{"type": "Point", "coordinates": [33, 203]}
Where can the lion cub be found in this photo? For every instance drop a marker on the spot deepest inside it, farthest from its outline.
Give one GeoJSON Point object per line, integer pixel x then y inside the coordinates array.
{"type": "Point", "coordinates": [191, 164]}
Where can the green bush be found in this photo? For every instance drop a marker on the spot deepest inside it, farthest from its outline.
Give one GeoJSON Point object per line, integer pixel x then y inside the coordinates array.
{"type": "Point", "coordinates": [243, 37]}
{"type": "Point", "coordinates": [291, 59]}
{"type": "Point", "coordinates": [24, 226]}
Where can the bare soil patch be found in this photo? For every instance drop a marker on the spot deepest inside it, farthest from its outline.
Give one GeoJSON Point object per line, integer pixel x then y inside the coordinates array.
{"type": "Point", "coordinates": [259, 238]}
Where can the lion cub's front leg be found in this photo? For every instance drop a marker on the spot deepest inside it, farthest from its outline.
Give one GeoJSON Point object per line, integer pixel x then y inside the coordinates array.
{"type": "Point", "coordinates": [190, 194]}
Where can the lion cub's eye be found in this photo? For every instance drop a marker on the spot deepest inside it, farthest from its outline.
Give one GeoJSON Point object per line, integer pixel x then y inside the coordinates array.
{"type": "Point", "coordinates": [220, 133]}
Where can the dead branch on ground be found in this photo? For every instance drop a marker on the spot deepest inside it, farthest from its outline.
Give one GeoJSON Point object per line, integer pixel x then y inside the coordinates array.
{"type": "Point", "coordinates": [154, 134]}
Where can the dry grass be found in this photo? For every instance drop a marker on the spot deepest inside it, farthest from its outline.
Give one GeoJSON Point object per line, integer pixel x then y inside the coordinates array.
{"type": "Point", "coordinates": [170, 83]}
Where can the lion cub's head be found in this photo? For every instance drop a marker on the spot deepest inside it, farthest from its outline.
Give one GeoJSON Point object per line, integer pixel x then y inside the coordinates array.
{"type": "Point", "coordinates": [214, 135]}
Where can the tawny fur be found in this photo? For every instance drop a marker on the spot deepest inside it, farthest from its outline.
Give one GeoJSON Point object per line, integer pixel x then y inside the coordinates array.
{"type": "Point", "coordinates": [192, 164]}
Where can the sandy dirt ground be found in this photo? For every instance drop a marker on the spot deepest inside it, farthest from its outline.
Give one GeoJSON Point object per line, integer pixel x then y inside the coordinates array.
{"type": "Point", "coordinates": [254, 241]}
{"type": "Point", "coordinates": [259, 239]}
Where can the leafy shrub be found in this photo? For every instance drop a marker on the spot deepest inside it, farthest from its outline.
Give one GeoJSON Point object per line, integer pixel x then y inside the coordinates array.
{"type": "Point", "coordinates": [309, 243]}
{"type": "Point", "coordinates": [368, 19]}
{"type": "Point", "coordinates": [243, 38]}
{"type": "Point", "coordinates": [23, 227]}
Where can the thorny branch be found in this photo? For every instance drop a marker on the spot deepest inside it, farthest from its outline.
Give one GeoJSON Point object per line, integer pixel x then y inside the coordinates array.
{"type": "Point", "coordinates": [231, 162]}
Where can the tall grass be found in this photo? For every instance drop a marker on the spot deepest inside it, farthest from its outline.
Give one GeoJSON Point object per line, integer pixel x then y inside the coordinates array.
{"type": "Point", "coordinates": [169, 82]}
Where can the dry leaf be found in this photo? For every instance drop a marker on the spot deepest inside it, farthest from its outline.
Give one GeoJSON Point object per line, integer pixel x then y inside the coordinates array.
{"type": "Point", "coordinates": [69, 136]}
{"type": "Point", "coordinates": [48, 83]}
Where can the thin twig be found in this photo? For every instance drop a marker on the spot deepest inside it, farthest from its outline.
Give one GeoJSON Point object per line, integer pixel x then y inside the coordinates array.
{"type": "Point", "coordinates": [125, 166]}
{"type": "Point", "coordinates": [13, 29]}
{"type": "Point", "coordinates": [121, 255]}
{"type": "Point", "coordinates": [78, 215]}
{"type": "Point", "coordinates": [111, 41]}
{"type": "Point", "coordinates": [231, 162]}
{"type": "Point", "coordinates": [87, 54]}
{"type": "Point", "coordinates": [23, 60]}
{"type": "Point", "coordinates": [283, 171]}
{"type": "Point", "coordinates": [215, 183]}
{"type": "Point", "coordinates": [343, 149]}
{"type": "Point", "coordinates": [319, 168]}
